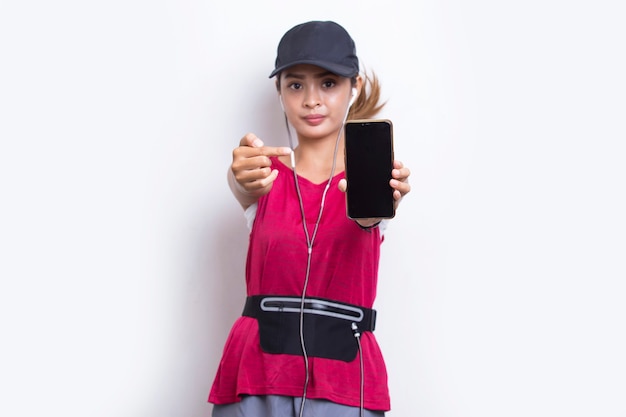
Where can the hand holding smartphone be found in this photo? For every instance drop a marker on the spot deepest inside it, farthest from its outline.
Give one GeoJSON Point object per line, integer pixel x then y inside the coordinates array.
{"type": "Point", "coordinates": [369, 162]}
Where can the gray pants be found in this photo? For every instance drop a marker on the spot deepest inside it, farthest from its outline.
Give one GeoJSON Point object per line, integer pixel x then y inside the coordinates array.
{"type": "Point", "coordinates": [281, 406]}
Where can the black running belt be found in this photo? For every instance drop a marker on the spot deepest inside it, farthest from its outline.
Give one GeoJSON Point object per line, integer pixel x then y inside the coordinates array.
{"type": "Point", "coordinates": [327, 325]}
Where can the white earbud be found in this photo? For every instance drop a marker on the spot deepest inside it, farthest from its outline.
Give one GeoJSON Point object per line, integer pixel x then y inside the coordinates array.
{"type": "Point", "coordinates": [354, 96]}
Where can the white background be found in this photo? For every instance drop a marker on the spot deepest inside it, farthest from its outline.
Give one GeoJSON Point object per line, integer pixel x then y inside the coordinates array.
{"type": "Point", "coordinates": [502, 282]}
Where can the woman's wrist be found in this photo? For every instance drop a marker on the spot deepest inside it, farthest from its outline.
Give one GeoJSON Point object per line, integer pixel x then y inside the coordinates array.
{"type": "Point", "coordinates": [368, 224]}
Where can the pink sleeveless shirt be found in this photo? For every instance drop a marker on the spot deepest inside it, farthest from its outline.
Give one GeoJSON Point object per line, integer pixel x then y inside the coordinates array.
{"type": "Point", "coordinates": [344, 267]}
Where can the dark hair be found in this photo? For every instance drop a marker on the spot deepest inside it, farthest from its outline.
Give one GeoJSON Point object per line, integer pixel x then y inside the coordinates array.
{"type": "Point", "coordinates": [367, 104]}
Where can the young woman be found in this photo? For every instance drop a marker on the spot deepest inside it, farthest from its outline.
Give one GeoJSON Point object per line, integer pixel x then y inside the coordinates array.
{"type": "Point", "coordinates": [304, 345]}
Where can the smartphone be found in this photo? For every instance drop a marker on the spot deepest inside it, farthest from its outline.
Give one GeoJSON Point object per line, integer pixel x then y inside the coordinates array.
{"type": "Point", "coordinates": [369, 161]}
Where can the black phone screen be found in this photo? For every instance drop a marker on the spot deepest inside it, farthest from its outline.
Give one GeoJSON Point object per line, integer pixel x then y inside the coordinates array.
{"type": "Point", "coordinates": [369, 161]}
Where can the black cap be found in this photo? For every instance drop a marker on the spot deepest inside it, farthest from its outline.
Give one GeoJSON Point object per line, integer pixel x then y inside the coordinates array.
{"type": "Point", "coordinates": [325, 44]}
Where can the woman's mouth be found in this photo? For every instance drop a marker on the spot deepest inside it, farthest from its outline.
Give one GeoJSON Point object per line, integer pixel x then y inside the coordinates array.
{"type": "Point", "coordinates": [314, 119]}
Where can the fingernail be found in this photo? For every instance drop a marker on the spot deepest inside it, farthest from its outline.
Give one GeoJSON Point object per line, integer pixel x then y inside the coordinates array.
{"type": "Point", "coordinates": [257, 143]}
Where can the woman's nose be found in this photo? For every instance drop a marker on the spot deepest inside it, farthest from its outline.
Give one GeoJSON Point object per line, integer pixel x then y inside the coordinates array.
{"type": "Point", "coordinates": [312, 98]}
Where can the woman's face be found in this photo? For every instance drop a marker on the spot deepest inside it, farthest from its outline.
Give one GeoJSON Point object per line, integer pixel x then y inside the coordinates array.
{"type": "Point", "coordinates": [315, 100]}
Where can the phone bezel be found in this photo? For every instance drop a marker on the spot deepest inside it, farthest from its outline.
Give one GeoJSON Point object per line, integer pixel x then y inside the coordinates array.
{"type": "Point", "coordinates": [355, 216]}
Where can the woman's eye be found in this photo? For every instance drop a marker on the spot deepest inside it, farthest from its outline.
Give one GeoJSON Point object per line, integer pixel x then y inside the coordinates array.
{"type": "Point", "coordinates": [295, 86]}
{"type": "Point", "coordinates": [328, 84]}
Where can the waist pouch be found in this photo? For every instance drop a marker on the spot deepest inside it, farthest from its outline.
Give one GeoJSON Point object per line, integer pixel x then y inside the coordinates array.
{"type": "Point", "coordinates": [327, 325]}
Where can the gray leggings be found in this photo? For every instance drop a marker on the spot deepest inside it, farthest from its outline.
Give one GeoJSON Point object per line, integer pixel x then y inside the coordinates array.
{"type": "Point", "coordinates": [281, 406]}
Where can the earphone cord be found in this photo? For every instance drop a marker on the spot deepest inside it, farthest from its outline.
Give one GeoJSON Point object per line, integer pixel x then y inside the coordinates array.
{"type": "Point", "coordinates": [309, 240]}
{"type": "Point", "coordinates": [362, 385]}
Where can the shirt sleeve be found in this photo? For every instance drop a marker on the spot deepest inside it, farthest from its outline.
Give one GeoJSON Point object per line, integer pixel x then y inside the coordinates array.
{"type": "Point", "coordinates": [250, 214]}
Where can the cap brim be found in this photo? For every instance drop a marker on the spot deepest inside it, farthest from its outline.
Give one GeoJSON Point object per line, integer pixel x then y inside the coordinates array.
{"type": "Point", "coordinates": [341, 70]}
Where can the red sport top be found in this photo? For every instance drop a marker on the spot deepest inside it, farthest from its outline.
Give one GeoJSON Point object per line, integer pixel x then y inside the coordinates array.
{"type": "Point", "coordinates": [344, 267]}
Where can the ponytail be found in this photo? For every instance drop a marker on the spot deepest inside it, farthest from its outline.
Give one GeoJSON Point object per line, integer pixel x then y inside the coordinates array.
{"type": "Point", "coordinates": [367, 104]}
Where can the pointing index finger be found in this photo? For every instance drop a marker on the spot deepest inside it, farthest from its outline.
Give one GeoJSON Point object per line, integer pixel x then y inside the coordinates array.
{"type": "Point", "coordinates": [274, 150]}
